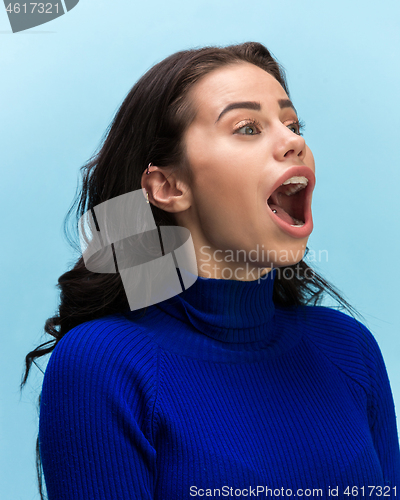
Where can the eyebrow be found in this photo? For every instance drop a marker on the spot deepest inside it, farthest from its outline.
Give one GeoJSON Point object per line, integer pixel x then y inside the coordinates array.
{"type": "Point", "coordinates": [283, 103]}
{"type": "Point", "coordinates": [286, 103]}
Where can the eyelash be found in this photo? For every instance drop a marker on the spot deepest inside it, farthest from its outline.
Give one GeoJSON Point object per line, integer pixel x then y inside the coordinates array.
{"type": "Point", "coordinates": [299, 124]}
{"type": "Point", "coordinates": [247, 123]}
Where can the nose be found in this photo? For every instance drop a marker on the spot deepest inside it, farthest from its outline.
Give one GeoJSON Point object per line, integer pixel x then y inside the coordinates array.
{"type": "Point", "coordinates": [290, 145]}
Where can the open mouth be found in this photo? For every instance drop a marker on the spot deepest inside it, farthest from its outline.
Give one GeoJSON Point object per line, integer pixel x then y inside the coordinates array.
{"type": "Point", "coordinates": [288, 201]}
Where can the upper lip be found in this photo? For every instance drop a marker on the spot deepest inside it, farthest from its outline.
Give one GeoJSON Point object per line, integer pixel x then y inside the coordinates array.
{"type": "Point", "coordinates": [296, 170]}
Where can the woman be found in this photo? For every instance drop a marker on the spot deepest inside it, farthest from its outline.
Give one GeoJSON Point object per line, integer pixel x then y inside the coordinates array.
{"type": "Point", "coordinates": [241, 385]}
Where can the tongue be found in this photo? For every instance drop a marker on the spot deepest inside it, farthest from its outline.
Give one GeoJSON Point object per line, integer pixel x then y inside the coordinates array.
{"type": "Point", "coordinates": [282, 214]}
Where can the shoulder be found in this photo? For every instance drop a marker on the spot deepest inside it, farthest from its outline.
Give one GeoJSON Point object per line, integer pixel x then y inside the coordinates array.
{"type": "Point", "coordinates": [102, 350]}
{"type": "Point", "coordinates": [101, 382]}
{"type": "Point", "coordinates": [330, 327]}
{"type": "Point", "coordinates": [348, 343]}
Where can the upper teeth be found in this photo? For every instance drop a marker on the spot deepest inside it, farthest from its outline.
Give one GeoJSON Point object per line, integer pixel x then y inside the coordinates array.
{"type": "Point", "coordinates": [299, 183]}
{"type": "Point", "coordinates": [296, 180]}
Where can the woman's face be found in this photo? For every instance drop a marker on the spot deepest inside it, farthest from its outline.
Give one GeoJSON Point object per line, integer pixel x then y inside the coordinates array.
{"type": "Point", "coordinates": [241, 218]}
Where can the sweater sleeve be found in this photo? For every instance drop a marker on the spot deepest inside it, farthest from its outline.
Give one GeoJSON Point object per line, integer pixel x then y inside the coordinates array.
{"type": "Point", "coordinates": [354, 350]}
{"type": "Point", "coordinates": [96, 414]}
{"type": "Point", "coordinates": [382, 417]}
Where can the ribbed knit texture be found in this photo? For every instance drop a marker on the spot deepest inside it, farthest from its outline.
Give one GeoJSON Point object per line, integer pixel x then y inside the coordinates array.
{"type": "Point", "coordinates": [214, 392]}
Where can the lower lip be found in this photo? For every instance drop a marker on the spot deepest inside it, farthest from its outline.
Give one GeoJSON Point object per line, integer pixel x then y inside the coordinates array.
{"type": "Point", "coordinates": [296, 232]}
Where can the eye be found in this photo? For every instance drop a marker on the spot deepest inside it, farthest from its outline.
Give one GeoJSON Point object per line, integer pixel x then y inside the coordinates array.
{"type": "Point", "coordinates": [250, 127]}
{"type": "Point", "coordinates": [296, 127]}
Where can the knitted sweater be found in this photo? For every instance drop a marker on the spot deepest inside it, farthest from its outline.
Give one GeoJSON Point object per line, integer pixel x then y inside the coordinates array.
{"type": "Point", "coordinates": [217, 392]}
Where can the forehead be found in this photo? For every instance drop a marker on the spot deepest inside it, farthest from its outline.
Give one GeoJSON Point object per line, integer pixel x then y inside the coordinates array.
{"type": "Point", "coordinates": [236, 82]}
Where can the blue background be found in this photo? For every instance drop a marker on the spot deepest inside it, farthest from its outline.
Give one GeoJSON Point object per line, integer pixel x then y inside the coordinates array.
{"type": "Point", "coordinates": [60, 86]}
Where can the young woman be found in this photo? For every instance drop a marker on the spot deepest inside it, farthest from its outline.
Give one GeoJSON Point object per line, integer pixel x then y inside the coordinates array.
{"type": "Point", "coordinates": [241, 385]}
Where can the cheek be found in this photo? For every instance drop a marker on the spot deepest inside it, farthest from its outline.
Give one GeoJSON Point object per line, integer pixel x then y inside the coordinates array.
{"type": "Point", "coordinates": [214, 162]}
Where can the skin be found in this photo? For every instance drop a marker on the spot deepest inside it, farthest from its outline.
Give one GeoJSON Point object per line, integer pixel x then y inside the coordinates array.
{"type": "Point", "coordinates": [233, 173]}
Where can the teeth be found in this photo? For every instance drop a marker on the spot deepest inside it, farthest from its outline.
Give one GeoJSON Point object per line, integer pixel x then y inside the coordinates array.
{"type": "Point", "coordinates": [294, 188]}
{"type": "Point", "coordinates": [295, 184]}
{"type": "Point", "coordinates": [297, 223]}
{"type": "Point", "coordinates": [296, 180]}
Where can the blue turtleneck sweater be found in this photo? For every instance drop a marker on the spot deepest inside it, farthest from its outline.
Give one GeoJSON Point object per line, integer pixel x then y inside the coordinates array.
{"type": "Point", "coordinates": [217, 392]}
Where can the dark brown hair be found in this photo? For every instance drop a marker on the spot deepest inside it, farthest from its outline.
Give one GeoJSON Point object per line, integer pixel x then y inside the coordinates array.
{"type": "Point", "coordinates": [149, 127]}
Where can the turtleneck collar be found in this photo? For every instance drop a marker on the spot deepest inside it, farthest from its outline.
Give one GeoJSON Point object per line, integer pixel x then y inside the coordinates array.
{"type": "Point", "coordinates": [226, 310]}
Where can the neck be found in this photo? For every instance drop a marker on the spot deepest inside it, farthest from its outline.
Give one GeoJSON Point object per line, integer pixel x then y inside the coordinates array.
{"type": "Point", "coordinates": [226, 309]}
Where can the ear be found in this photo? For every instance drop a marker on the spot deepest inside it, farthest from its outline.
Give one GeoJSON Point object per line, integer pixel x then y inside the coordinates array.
{"type": "Point", "coordinates": [167, 189]}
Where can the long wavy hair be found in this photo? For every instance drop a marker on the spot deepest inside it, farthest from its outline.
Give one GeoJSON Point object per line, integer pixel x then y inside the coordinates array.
{"type": "Point", "coordinates": [149, 127]}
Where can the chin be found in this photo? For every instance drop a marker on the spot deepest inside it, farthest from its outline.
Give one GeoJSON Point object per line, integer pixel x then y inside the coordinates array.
{"type": "Point", "coordinates": [288, 255]}
{"type": "Point", "coordinates": [286, 264]}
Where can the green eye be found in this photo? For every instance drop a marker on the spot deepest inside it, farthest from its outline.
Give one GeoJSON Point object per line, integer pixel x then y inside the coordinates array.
{"type": "Point", "coordinates": [248, 127]}
{"type": "Point", "coordinates": [251, 127]}
{"type": "Point", "coordinates": [296, 127]}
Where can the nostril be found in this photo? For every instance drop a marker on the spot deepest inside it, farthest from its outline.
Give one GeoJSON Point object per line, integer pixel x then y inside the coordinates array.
{"type": "Point", "coordinates": [290, 151]}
